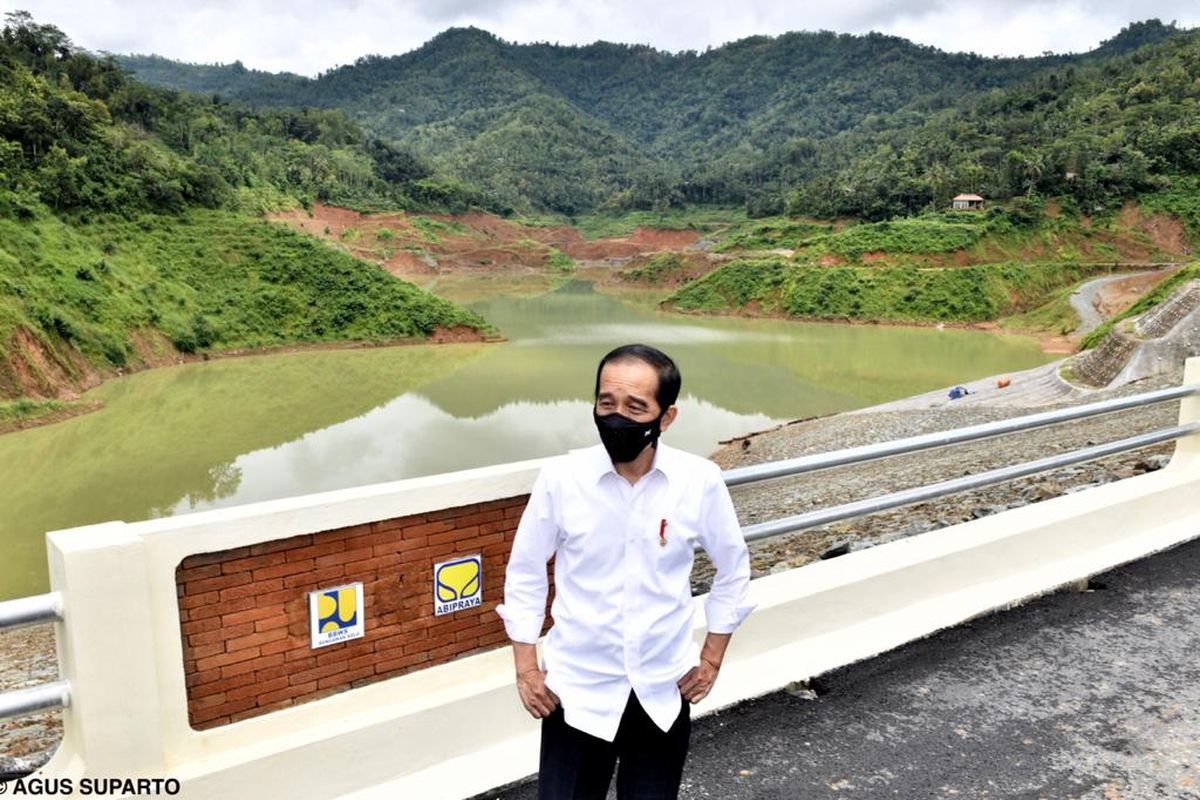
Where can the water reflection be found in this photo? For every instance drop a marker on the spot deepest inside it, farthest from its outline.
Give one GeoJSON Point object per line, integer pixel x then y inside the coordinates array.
{"type": "Point", "coordinates": [247, 429]}
{"type": "Point", "coordinates": [176, 433]}
{"type": "Point", "coordinates": [412, 436]}
{"type": "Point", "coordinates": [783, 369]}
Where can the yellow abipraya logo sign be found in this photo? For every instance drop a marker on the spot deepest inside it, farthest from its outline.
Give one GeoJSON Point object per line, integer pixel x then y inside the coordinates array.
{"type": "Point", "coordinates": [457, 584]}
{"type": "Point", "coordinates": [336, 615]}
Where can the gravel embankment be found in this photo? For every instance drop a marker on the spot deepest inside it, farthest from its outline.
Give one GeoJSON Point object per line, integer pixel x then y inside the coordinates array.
{"type": "Point", "coordinates": [27, 656]}
{"type": "Point", "coordinates": [784, 497]}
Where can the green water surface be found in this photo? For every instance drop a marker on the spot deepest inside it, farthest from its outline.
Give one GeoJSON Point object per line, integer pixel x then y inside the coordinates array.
{"type": "Point", "coordinates": [242, 430]}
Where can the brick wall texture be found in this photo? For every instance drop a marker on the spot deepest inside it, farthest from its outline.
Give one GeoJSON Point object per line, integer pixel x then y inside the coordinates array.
{"type": "Point", "coordinates": [244, 612]}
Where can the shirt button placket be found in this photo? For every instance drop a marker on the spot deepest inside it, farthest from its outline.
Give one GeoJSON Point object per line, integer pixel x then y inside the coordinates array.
{"type": "Point", "coordinates": [631, 567]}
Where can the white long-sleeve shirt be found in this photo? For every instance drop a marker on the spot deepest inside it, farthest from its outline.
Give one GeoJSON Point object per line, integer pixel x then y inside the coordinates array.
{"type": "Point", "coordinates": [623, 603]}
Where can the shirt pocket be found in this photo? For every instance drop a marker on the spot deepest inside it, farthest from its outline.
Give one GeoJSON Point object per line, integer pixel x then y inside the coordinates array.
{"type": "Point", "coordinates": [680, 511]}
{"type": "Point", "coordinates": [591, 549]}
{"type": "Point", "coordinates": [576, 526]}
{"type": "Point", "coordinates": [675, 533]}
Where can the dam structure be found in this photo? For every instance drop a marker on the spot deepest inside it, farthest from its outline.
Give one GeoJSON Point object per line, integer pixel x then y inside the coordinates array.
{"type": "Point", "coordinates": [345, 644]}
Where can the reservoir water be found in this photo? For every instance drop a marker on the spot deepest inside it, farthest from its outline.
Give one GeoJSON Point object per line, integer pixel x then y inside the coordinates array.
{"type": "Point", "coordinates": [240, 430]}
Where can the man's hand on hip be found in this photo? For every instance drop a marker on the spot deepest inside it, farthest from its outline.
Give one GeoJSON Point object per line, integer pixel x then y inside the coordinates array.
{"type": "Point", "coordinates": [538, 700]}
{"type": "Point", "coordinates": [698, 682]}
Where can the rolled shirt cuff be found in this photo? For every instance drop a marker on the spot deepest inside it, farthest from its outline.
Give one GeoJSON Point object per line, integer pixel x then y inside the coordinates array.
{"type": "Point", "coordinates": [722, 617]}
{"type": "Point", "coordinates": [525, 628]}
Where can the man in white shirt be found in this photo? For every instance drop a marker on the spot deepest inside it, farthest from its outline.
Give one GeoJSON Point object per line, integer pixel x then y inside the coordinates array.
{"type": "Point", "coordinates": [621, 520]}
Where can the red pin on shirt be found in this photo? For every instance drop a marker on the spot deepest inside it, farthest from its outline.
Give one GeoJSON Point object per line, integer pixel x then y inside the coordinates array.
{"type": "Point", "coordinates": [662, 533]}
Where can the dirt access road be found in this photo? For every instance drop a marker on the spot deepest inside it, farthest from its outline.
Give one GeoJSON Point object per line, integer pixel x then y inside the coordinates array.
{"type": "Point", "coordinates": [1104, 298]}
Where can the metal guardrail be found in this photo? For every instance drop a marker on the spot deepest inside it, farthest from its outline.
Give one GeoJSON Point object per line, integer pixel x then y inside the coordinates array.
{"type": "Point", "coordinates": [872, 452]}
{"type": "Point", "coordinates": [859, 455]}
{"type": "Point", "coordinates": [44, 608]}
{"type": "Point", "coordinates": [764, 530]}
{"type": "Point", "coordinates": [26, 611]}
{"type": "Point", "coordinates": [21, 613]}
{"type": "Point", "coordinates": [20, 702]}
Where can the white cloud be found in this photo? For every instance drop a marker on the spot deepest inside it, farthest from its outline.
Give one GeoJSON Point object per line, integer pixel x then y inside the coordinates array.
{"type": "Point", "coordinates": [1029, 28]}
{"type": "Point", "coordinates": [308, 36]}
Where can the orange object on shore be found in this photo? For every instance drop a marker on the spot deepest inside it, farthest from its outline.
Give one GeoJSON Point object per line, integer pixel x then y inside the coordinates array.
{"type": "Point", "coordinates": [1003, 382]}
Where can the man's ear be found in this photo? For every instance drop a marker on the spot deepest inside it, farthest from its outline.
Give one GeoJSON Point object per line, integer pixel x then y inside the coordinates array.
{"type": "Point", "coordinates": [668, 418]}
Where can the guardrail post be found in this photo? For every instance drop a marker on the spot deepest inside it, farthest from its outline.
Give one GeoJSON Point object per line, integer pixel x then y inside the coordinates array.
{"type": "Point", "coordinates": [1187, 450]}
{"type": "Point", "coordinates": [106, 653]}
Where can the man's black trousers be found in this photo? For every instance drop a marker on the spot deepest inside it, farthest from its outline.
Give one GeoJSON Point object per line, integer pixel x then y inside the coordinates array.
{"type": "Point", "coordinates": [578, 766]}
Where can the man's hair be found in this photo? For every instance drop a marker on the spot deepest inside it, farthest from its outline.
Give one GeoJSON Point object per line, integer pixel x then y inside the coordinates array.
{"type": "Point", "coordinates": [669, 379]}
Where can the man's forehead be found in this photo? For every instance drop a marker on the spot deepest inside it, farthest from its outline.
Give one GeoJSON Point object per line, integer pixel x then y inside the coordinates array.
{"type": "Point", "coordinates": [630, 377]}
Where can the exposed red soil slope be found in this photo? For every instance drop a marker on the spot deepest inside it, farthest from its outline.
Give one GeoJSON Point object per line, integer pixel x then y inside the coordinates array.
{"type": "Point", "coordinates": [1117, 296]}
{"type": "Point", "coordinates": [691, 265]}
{"type": "Point", "coordinates": [30, 368]}
{"type": "Point", "coordinates": [421, 244]}
{"type": "Point", "coordinates": [657, 239]}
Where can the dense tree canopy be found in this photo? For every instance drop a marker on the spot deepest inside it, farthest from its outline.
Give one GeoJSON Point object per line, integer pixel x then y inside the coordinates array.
{"type": "Point", "coordinates": [123, 220]}
{"type": "Point", "coordinates": [76, 132]}
{"type": "Point", "coordinates": [829, 124]}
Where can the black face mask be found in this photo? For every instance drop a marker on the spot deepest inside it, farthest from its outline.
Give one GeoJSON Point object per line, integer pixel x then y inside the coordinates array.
{"type": "Point", "coordinates": [624, 438]}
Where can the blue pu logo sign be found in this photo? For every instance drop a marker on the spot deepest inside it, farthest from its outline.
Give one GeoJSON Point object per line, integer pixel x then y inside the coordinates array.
{"type": "Point", "coordinates": [457, 584]}
{"type": "Point", "coordinates": [336, 615]}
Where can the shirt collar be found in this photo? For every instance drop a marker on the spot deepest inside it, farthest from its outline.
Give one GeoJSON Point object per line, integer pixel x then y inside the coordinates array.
{"type": "Point", "coordinates": [664, 461]}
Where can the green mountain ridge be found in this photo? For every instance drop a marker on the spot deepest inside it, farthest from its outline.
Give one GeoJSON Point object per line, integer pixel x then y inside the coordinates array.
{"type": "Point", "coordinates": [736, 123]}
{"type": "Point", "coordinates": [128, 211]}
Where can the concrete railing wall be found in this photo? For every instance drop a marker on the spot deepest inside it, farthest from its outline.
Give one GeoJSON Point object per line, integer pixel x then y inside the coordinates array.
{"type": "Point", "coordinates": [244, 616]}
{"type": "Point", "coordinates": [132, 644]}
{"type": "Point", "coordinates": [186, 643]}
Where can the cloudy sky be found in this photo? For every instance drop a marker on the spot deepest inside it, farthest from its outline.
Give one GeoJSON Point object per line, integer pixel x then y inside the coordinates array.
{"type": "Point", "coordinates": [308, 36]}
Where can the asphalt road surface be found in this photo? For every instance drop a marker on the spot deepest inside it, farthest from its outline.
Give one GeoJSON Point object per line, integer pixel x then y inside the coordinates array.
{"type": "Point", "coordinates": [1090, 694]}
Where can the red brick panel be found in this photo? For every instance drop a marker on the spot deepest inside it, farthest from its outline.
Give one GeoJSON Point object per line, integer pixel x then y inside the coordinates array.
{"type": "Point", "coordinates": [244, 612]}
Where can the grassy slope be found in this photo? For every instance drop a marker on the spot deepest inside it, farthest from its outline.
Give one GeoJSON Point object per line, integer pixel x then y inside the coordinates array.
{"type": "Point", "coordinates": [204, 280]}
{"type": "Point", "coordinates": [14, 413]}
{"type": "Point", "coordinates": [903, 294]}
{"type": "Point", "coordinates": [705, 219]}
{"type": "Point", "coordinates": [1025, 231]}
{"type": "Point", "coordinates": [1019, 261]}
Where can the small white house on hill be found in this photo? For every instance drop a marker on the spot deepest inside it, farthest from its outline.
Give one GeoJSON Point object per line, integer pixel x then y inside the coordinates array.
{"type": "Point", "coordinates": [967, 202]}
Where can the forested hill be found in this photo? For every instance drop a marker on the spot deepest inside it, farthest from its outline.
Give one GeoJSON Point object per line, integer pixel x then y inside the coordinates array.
{"type": "Point", "coordinates": [131, 230]}
{"type": "Point", "coordinates": [618, 126]}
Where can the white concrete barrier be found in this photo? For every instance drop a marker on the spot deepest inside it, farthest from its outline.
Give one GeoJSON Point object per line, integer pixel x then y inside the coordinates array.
{"type": "Point", "coordinates": [457, 729]}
